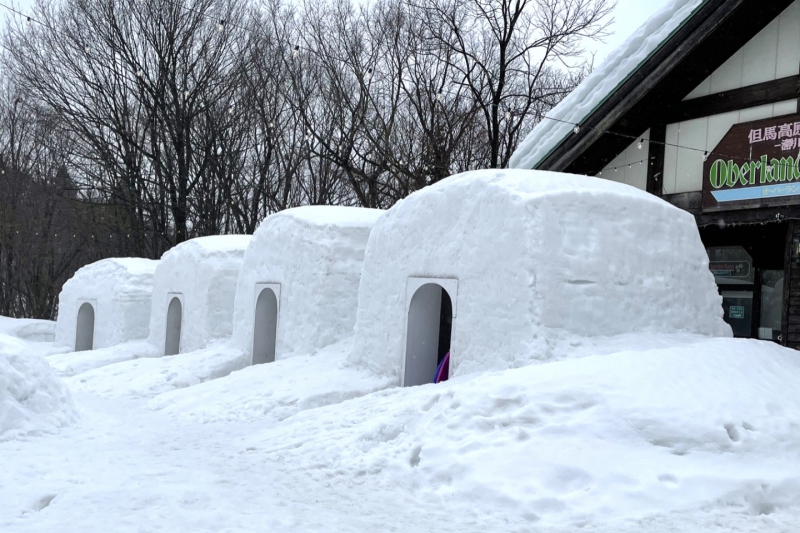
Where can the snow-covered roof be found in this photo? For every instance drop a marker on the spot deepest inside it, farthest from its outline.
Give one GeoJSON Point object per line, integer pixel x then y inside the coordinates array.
{"type": "Point", "coordinates": [329, 215]}
{"type": "Point", "coordinates": [602, 83]}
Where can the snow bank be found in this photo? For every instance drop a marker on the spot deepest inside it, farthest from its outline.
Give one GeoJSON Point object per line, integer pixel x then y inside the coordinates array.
{"type": "Point", "coordinates": [273, 392]}
{"type": "Point", "coordinates": [602, 82]}
{"type": "Point", "coordinates": [711, 427]}
{"type": "Point", "coordinates": [29, 329]}
{"type": "Point", "coordinates": [539, 258]}
{"type": "Point", "coordinates": [74, 363]}
{"type": "Point", "coordinates": [32, 399]}
{"type": "Point", "coordinates": [119, 291]}
{"type": "Point", "coordinates": [202, 274]}
{"type": "Point", "coordinates": [314, 254]}
{"type": "Point", "coordinates": [147, 377]}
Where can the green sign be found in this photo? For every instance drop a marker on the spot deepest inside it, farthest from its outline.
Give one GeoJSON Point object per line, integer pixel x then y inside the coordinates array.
{"type": "Point", "coordinates": [737, 311]}
{"type": "Point", "coordinates": [756, 164]}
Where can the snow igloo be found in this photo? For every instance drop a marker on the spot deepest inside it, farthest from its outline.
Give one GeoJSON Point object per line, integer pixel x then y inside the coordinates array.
{"type": "Point", "coordinates": [193, 293]}
{"type": "Point", "coordinates": [106, 303]}
{"type": "Point", "coordinates": [298, 288]}
{"type": "Point", "coordinates": [495, 267]}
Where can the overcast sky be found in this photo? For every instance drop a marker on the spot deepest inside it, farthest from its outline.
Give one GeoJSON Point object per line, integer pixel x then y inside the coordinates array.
{"type": "Point", "coordinates": [629, 15]}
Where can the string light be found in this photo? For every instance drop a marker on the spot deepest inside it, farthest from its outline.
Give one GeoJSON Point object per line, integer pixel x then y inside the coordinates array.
{"type": "Point", "coordinates": [641, 142]}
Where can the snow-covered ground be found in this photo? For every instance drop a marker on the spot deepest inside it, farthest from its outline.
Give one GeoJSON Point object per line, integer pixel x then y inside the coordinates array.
{"type": "Point", "coordinates": [633, 433]}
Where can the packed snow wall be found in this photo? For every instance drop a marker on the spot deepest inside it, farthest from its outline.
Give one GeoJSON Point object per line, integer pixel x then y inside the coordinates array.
{"type": "Point", "coordinates": [32, 399]}
{"type": "Point", "coordinates": [193, 292]}
{"type": "Point", "coordinates": [106, 303]}
{"type": "Point", "coordinates": [310, 258]}
{"type": "Point", "coordinates": [527, 259]}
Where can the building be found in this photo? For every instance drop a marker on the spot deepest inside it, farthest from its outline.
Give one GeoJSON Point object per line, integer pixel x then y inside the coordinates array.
{"type": "Point", "coordinates": [700, 107]}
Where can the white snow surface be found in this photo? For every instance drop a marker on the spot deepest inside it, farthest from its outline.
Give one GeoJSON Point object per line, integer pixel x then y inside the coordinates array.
{"type": "Point", "coordinates": [29, 329]}
{"type": "Point", "coordinates": [145, 377]}
{"type": "Point", "coordinates": [119, 290]}
{"type": "Point", "coordinates": [32, 399]}
{"type": "Point", "coordinates": [73, 363]}
{"type": "Point", "coordinates": [204, 271]}
{"type": "Point", "coordinates": [274, 391]}
{"type": "Point", "coordinates": [643, 433]}
{"type": "Point", "coordinates": [601, 83]}
{"type": "Point", "coordinates": [541, 258]}
{"type": "Point", "coordinates": [315, 254]}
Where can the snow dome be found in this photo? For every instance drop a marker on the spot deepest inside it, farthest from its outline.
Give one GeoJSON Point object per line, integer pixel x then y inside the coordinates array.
{"type": "Point", "coordinates": [193, 292]}
{"type": "Point", "coordinates": [299, 281]}
{"type": "Point", "coordinates": [499, 265]}
{"type": "Point", "coordinates": [106, 303]}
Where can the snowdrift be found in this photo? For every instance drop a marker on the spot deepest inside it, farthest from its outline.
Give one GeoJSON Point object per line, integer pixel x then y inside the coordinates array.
{"type": "Point", "coordinates": [29, 329]}
{"type": "Point", "coordinates": [115, 294]}
{"type": "Point", "coordinates": [309, 259]}
{"type": "Point", "coordinates": [708, 427]}
{"type": "Point", "coordinates": [198, 279]}
{"type": "Point", "coordinates": [73, 363]}
{"type": "Point", "coordinates": [273, 392]}
{"type": "Point", "coordinates": [143, 376]}
{"type": "Point", "coordinates": [528, 259]}
{"type": "Point", "coordinates": [32, 399]}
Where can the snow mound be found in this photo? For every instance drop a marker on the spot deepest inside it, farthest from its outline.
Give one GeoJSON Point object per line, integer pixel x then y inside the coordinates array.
{"type": "Point", "coordinates": [711, 426]}
{"type": "Point", "coordinates": [147, 377]}
{"type": "Point", "coordinates": [29, 329]}
{"type": "Point", "coordinates": [202, 273]}
{"type": "Point", "coordinates": [275, 391]}
{"type": "Point", "coordinates": [73, 363]}
{"type": "Point", "coordinates": [119, 291]}
{"type": "Point", "coordinates": [315, 255]}
{"type": "Point", "coordinates": [540, 258]}
{"type": "Point", "coordinates": [32, 399]}
{"type": "Point", "coordinates": [601, 83]}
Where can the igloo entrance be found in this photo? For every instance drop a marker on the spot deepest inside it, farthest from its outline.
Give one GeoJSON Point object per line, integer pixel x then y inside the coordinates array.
{"type": "Point", "coordinates": [172, 345]}
{"type": "Point", "coordinates": [84, 332]}
{"type": "Point", "coordinates": [265, 324]}
{"type": "Point", "coordinates": [429, 328]}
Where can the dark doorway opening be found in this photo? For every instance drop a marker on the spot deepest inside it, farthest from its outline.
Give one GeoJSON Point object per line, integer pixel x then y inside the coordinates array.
{"type": "Point", "coordinates": [265, 327]}
{"type": "Point", "coordinates": [172, 344]}
{"type": "Point", "coordinates": [430, 322]}
{"type": "Point", "coordinates": [84, 332]}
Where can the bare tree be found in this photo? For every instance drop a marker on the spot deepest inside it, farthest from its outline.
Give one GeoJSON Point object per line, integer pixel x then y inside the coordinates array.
{"type": "Point", "coordinates": [513, 55]}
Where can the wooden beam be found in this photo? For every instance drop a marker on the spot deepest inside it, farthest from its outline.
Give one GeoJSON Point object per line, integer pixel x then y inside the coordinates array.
{"type": "Point", "coordinates": [655, 158]}
{"type": "Point", "coordinates": [768, 92]}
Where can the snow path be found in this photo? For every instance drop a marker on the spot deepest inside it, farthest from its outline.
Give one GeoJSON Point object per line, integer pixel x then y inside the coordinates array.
{"type": "Point", "coordinates": [697, 435]}
{"type": "Point", "coordinates": [139, 470]}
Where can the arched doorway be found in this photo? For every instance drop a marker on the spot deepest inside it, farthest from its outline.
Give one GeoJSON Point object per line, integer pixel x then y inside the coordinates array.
{"type": "Point", "coordinates": [172, 345]}
{"type": "Point", "coordinates": [265, 326]}
{"type": "Point", "coordinates": [430, 322]}
{"type": "Point", "coordinates": [84, 332]}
